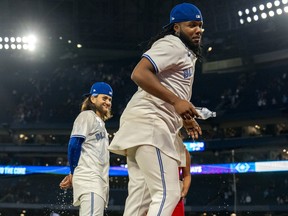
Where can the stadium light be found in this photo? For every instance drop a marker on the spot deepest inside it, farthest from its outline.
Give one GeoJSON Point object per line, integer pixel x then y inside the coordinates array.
{"type": "Point", "coordinates": [255, 17]}
{"type": "Point", "coordinates": [261, 7]}
{"type": "Point", "coordinates": [264, 15]}
{"type": "Point", "coordinates": [269, 5]}
{"type": "Point", "coordinates": [16, 42]}
{"type": "Point", "coordinates": [279, 11]}
{"type": "Point", "coordinates": [271, 13]}
{"type": "Point", "coordinates": [276, 3]}
{"type": "Point", "coordinates": [266, 10]}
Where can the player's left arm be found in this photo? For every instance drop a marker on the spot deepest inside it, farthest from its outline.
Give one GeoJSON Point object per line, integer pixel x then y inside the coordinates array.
{"type": "Point", "coordinates": [186, 174]}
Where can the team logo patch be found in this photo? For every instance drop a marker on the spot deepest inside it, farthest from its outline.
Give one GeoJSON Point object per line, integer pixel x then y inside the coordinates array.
{"type": "Point", "coordinates": [187, 73]}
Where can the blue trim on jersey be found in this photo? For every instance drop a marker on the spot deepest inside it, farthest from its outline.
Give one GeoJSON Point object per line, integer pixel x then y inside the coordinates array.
{"type": "Point", "coordinates": [80, 136]}
{"type": "Point", "coordinates": [92, 204]}
{"type": "Point", "coordinates": [152, 62]}
{"type": "Point", "coordinates": [163, 181]}
{"type": "Point", "coordinates": [74, 150]}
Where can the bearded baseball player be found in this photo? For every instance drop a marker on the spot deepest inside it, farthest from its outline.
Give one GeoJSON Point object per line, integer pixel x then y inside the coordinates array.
{"type": "Point", "coordinates": [157, 111]}
{"type": "Point", "coordinates": [88, 155]}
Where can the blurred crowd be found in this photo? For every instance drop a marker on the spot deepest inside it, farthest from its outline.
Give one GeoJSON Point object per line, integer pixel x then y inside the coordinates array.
{"type": "Point", "coordinates": [52, 93]}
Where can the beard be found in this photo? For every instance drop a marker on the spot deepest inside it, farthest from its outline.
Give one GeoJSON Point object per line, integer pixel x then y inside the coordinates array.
{"type": "Point", "coordinates": [101, 109]}
{"type": "Point", "coordinates": [105, 113]}
{"type": "Point", "coordinates": [195, 47]}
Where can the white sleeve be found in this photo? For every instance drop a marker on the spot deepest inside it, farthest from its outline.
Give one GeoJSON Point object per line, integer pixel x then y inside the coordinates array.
{"type": "Point", "coordinates": [164, 55]}
{"type": "Point", "coordinates": [83, 124]}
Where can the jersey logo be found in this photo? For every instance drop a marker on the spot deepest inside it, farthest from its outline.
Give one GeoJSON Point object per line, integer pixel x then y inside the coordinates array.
{"type": "Point", "coordinates": [100, 135]}
{"type": "Point", "coordinates": [187, 73]}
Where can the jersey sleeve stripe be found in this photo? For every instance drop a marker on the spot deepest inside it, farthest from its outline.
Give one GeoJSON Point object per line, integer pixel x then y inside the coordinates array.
{"type": "Point", "coordinates": [80, 136]}
{"type": "Point", "coordinates": [152, 62]}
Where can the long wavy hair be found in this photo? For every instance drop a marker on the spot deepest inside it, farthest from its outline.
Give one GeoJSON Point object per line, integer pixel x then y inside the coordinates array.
{"type": "Point", "coordinates": [88, 105]}
{"type": "Point", "coordinates": [169, 30]}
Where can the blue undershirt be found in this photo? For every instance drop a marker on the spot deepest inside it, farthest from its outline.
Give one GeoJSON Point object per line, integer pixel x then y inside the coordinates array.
{"type": "Point", "coordinates": [74, 150]}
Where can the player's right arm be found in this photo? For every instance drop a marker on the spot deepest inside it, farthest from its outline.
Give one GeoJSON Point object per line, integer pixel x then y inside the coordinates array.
{"type": "Point", "coordinates": [144, 76]}
{"type": "Point", "coordinates": [66, 182]}
{"type": "Point", "coordinates": [74, 150]}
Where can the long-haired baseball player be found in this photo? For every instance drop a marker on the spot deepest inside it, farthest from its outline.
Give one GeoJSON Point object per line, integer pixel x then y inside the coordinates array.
{"type": "Point", "coordinates": [157, 111]}
{"type": "Point", "coordinates": [88, 155]}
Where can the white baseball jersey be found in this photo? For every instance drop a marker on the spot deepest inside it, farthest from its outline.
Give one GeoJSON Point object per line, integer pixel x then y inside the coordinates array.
{"type": "Point", "coordinates": [148, 119]}
{"type": "Point", "coordinates": [92, 172]}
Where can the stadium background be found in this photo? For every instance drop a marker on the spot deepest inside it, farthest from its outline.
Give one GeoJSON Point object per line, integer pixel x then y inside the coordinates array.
{"type": "Point", "coordinates": [243, 77]}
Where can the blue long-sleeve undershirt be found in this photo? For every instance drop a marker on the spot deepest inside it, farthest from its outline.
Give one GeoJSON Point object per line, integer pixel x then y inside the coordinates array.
{"type": "Point", "coordinates": [74, 150]}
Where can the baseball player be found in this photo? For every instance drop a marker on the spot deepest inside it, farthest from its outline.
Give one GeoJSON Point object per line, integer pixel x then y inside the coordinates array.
{"type": "Point", "coordinates": [88, 155]}
{"type": "Point", "coordinates": [184, 174]}
{"type": "Point", "coordinates": [157, 111]}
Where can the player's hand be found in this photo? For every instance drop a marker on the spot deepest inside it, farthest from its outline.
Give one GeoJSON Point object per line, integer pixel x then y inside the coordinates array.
{"type": "Point", "coordinates": [66, 183]}
{"type": "Point", "coordinates": [184, 187]}
{"type": "Point", "coordinates": [184, 192]}
{"type": "Point", "coordinates": [192, 128]}
{"type": "Point", "coordinates": [185, 109]}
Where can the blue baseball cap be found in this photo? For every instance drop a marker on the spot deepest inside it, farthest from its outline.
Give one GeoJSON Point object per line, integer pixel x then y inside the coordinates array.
{"type": "Point", "coordinates": [100, 88]}
{"type": "Point", "coordinates": [184, 12]}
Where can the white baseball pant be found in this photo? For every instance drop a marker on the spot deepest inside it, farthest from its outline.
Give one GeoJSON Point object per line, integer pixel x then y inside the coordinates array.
{"type": "Point", "coordinates": [153, 186]}
{"type": "Point", "coordinates": [91, 204]}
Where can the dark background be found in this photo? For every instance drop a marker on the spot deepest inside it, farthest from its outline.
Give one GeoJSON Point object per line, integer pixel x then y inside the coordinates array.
{"type": "Point", "coordinates": [243, 79]}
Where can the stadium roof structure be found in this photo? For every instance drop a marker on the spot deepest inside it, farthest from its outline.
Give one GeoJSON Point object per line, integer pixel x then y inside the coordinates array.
{"type": "Point", "coordinates": [114, 29]}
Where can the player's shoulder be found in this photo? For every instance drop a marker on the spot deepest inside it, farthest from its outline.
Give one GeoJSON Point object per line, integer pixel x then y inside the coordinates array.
{"type": "Point", "coordinates": [170, 44]}
{"type": "Point", "coordinates": [86, 114]}
{"type": "Point", "coordinates": [171, 40]}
